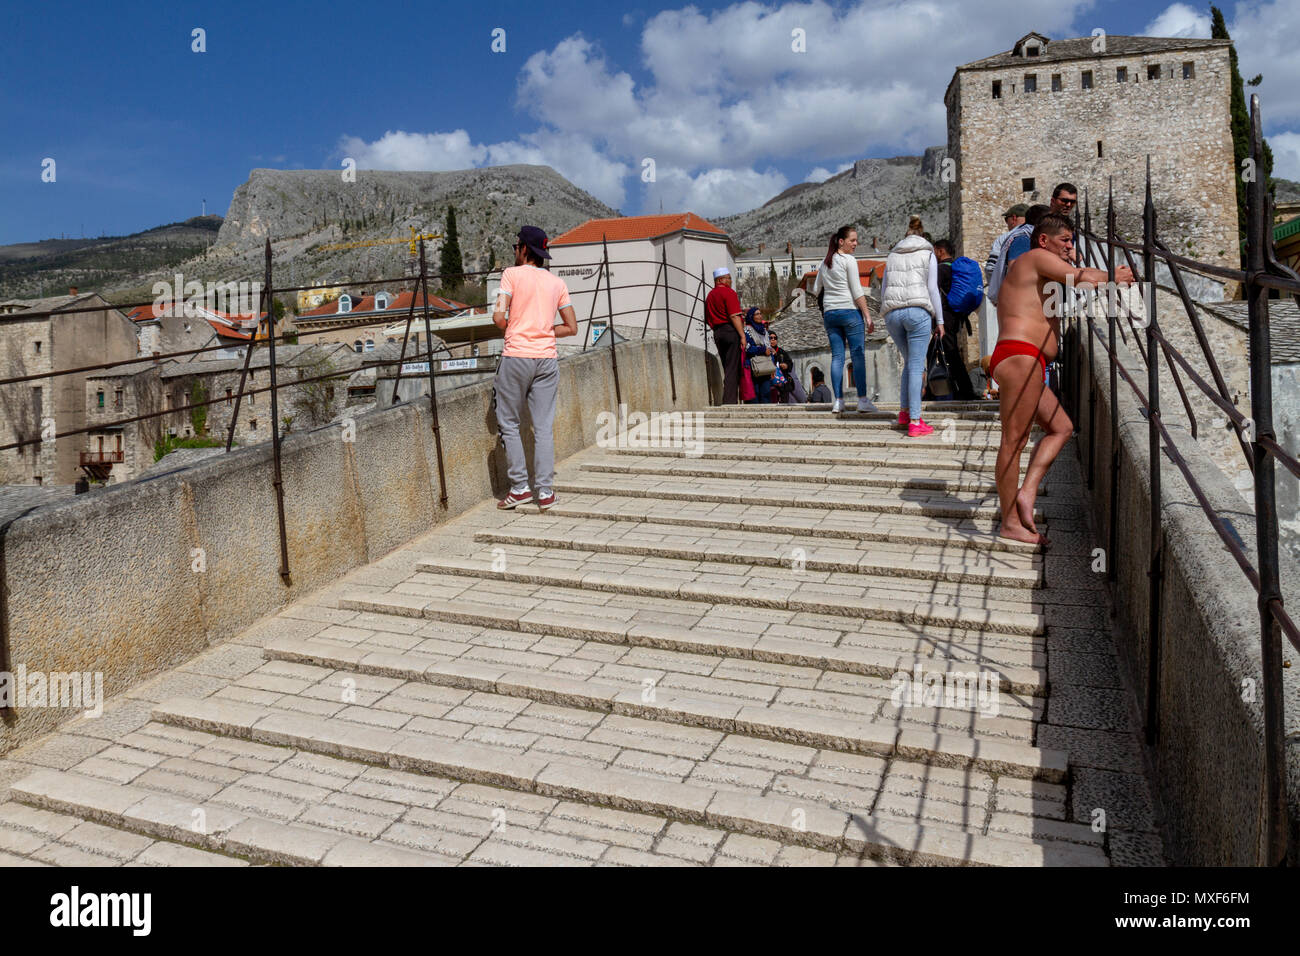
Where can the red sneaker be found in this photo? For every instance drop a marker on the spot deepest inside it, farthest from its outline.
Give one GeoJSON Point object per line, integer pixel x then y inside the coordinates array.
{"type": "Point", "coordinates": [511, 500]}
{"type": "Point", "coordinates": [545, 501]}
{"type": "Point", "coordinates": [902, 419]}
{"type": "Point", "coordinates": [918, 428]}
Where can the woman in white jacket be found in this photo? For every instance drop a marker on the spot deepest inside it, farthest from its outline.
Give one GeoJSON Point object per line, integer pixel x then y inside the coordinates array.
{"type": "Point", "coordinates": [844, 315]}
{"type": "Point", "coordinates": [909, 300]}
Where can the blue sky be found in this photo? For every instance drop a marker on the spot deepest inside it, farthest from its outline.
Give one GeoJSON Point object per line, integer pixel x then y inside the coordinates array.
{"type": "Point", "coordinates": [142, 129]}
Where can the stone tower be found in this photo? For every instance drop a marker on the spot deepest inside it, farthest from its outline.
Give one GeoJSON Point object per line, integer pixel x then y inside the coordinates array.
{"type": "Point", "coordinates": [1084, 109]}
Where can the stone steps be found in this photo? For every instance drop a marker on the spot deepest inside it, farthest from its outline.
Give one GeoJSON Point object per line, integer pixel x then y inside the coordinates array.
{"type": "Point", "coordinates": [798, 822]}
{"type": "Point", "coordinates": [812, 474]}
{"type": "Point", "coordinates": [915, 449]}
{"type": "Point", "coordinates": [775, 411]}
{"type": "Point", "coordinates": [779, 494]}
{"type": "Point", "coordinates": [869, 423]}
{"type": "Point", "coordinates": [204, 825]}
{"type": "Point", "coordinates": [824, 457]}
{"type": "Point", "coordinates": [759, 549]}
{"type": "Point", "coordinates": [970, 534]}
{"type": "Point", "coordinates": [889, 599]}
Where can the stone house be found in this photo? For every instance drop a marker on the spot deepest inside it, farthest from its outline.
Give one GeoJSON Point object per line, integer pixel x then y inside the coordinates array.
{"type": "Point", "coordinates": [1083, 110]}
{"type": "Point", "coordinates": [33, 342]}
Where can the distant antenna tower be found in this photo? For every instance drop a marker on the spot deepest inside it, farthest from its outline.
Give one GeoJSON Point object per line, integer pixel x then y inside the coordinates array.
{"type": "Point", "coordinates": [205, 207]}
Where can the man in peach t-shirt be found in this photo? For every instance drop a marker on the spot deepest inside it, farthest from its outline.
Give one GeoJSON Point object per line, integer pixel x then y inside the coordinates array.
{"type": "Point", "coordinates": [527, 302]}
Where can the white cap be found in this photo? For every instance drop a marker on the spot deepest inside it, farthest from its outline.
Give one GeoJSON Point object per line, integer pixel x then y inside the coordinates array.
{"type": "Point", "coordinates": [721, 271]}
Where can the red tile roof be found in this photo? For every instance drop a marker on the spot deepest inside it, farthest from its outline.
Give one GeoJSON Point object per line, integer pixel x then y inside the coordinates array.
{"type": "Point", "coordinates": [625, 228]}
{"type": "Point", "coordinates": [867, 269]}
{"type": "Point", "coordinates": [398, 303]}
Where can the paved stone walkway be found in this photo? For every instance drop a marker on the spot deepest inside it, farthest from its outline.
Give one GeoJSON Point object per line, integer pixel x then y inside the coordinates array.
{"type": "Point", "coordinates": [732, 657]}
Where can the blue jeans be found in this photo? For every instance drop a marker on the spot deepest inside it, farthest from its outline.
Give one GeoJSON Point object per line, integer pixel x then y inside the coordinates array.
{"type": "Point", "coordinates": [910, 330]}
{"type": "Point", "coordinates": [845, 327]}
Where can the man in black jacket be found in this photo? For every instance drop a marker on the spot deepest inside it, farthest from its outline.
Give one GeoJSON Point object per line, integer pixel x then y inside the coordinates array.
{"type": "Point", "coordinates": [962, 389]}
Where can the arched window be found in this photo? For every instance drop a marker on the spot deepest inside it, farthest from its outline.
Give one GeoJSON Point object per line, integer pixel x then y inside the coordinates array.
{"type": "Point", "coordinates": [370, 345]}
{"type": "Point", "coordinates": [356, 346]}
{"type": "Point", "coordinates": [381, 300]}
{"type": "Point", "coordinates": [345, 303]}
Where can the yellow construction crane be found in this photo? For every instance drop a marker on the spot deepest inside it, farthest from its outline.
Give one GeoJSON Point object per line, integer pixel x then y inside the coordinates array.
{"type": "Point", "coordinates": [413, 242]}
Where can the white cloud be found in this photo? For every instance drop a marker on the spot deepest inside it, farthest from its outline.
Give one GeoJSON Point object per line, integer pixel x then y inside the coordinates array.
{"type": "Point", "coordinates": [1286, 155]}
{"type": "Point", "coordinates": [725, 95]}
{"type": "Point", "coordinates": [821, 173]}
{"type": "Point", "coordinates": [1179, 20]}
{"type": "Point", "coordinates": [714, 192]}
{"type": "Point", "coordinates": [398, 149]}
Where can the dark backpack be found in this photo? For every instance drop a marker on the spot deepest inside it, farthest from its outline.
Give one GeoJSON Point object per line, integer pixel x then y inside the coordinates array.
{"type": "Point", "coordinates": [967, 289]}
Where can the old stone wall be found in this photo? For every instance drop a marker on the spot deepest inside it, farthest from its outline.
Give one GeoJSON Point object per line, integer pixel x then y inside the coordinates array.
{"type": "Point", "coordinates": [1052, 136]}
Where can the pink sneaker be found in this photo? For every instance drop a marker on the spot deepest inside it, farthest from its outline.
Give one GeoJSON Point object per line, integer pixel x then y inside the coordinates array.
{"type": "Point", "coordinates": [918, 429]}
{"type": "Point", "coordinates": [902, 419]}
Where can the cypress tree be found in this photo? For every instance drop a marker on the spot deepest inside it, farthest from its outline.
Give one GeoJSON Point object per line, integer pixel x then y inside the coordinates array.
{"type": "Point", "coordinates": [451, 263]}
{"type": "Point", "coordinates": [772, 302]}
{"type": "Point", "coordinates": [1240, 122]}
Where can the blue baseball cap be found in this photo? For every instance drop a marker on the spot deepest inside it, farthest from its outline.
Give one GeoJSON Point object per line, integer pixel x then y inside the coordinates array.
{"type": "Point", "coordinates": [535, 239]}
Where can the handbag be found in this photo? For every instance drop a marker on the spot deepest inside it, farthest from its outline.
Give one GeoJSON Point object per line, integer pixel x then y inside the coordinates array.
{"type": "Point", "coordinates": [937, 379]}
{"type": "Point", "coordinates": [761, 365]}
{"type": "Point", "coordinates": [747, 390]}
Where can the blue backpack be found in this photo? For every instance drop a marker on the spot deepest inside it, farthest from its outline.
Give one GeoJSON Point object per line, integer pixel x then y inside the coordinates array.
{"type": "Point", "coordinates": [967, 289]}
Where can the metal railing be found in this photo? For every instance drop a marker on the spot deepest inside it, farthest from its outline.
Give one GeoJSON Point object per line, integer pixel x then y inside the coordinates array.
{"type": "Point", "coordinates": [686, 284]}
{"type": "Point", "coordinates": [1255, 434]}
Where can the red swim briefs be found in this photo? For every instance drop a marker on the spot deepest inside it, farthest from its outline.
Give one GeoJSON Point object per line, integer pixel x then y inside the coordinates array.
{"type": "Point", "coordinates": [1015, 347]}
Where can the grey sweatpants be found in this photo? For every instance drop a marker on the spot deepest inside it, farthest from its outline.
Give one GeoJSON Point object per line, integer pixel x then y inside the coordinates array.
{"type": "Point", "coordinates": [533, 380]}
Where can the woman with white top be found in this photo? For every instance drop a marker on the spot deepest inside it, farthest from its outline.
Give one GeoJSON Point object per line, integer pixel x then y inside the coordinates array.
{"type": "Point", "coordinates": [909, 299]}
{"type": "Point", "coordinates": [844, 315]}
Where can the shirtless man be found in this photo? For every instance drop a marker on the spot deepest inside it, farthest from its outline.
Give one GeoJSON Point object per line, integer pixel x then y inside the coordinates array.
{"type": "Point", "coordinates": [1028, 339]}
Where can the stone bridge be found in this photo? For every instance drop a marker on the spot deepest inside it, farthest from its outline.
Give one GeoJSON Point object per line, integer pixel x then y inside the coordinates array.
{"type": "Point", "coordinates": [793, 641]}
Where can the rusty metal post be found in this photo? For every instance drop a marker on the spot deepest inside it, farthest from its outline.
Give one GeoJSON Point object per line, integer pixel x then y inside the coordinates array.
{"type": "Point", "coordinates": [609, 305]}
{"type": "Point", "coordinates": [1092, 361]}
{"type": "Point", "coordinates": [1258, 236]}
{"type": "Point", "coordinates": [1112, 320]}
{"type": "Point", "coordinates": [276, 481]}
{"type": "Point", "coordinates": [701, 296]}
{"type": "Point", "coordinates": [668, 327]}
{"type": "Point", "coordinates": [1155, 573]}
{"type": "Point", "coordinates": [406, 335]}
{"type": "Point", "coordinates": [433, 391]}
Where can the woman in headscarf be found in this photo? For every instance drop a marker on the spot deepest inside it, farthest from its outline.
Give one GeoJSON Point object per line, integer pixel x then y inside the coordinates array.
{"type": "Point", "coordinates": [756, 344]}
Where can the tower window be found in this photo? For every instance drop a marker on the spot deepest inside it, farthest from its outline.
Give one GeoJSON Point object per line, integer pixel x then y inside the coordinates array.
{"type": "Point", "coordinates": [99, 399]}
{"type": "Point", "coordinates": [1153, 71]}
{"type": "Point", "coordinates": [1099, 149]}
{"type": "Point", "coordinates": [1031, 82]}
{"type": "Point", "coordinates": [1121, 74]}
{"type": "Point", "coordinates": [1027, 185]}
{"type": "Point", "coordinates": [1056, 82]}
{"type": "Point", "coordinates": [1087, 80]}
{"type": "Point", "coordinates": [997, 89]}
{"type": "Point", "coordinates": [1189, 70]}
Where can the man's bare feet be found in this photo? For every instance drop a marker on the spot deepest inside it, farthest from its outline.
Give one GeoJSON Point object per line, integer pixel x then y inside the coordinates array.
{"type": "Point", "coordinates": [1014, 530]}
{"type": "Point", "coordinates": [1025, 500]}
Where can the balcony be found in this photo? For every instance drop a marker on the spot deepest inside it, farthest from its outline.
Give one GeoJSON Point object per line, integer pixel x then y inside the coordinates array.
{"type": "Point", "coordinates": [101, 458]}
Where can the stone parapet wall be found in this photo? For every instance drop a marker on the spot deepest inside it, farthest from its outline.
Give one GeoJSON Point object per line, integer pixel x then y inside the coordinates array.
{"type": "Point", "coordinates": [106, 582]}
{"type": "Point", "coordinates": [1208, 756]}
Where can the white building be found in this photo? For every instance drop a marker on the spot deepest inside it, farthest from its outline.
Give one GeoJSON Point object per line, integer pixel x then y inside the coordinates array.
{"type": "Point", "coordinates": [757, 263]}
{"type": "Point", "coordinates": [638, 248]}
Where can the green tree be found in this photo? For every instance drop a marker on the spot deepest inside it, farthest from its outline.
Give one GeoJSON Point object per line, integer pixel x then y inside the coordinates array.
{"type": "Point", "coordinates": [451, 264]}
{"type": "Point", "coordinates": [772, 301]}
{"type": "Point", "coordinates": [199, 413]}
{"type": "Point", "coordinates": [1240, 122]}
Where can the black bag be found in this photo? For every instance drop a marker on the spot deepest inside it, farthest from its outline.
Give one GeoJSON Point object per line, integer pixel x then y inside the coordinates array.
{"type": "Point", "coordinates": [937, 378]}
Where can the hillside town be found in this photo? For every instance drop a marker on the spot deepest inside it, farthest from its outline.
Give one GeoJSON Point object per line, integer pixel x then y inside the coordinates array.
{"type": "Point", "coordinates": [939, 510]}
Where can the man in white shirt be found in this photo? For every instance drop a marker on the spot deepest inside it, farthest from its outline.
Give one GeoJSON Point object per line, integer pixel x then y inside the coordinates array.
{"type": "Point", "coordinates": [1013, 217]}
